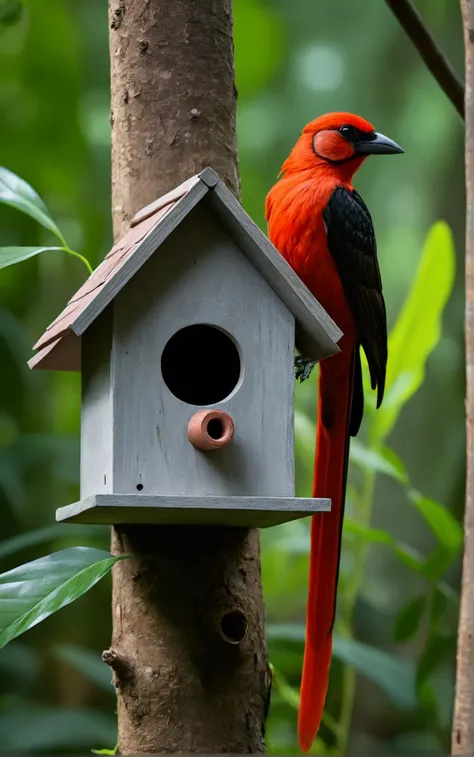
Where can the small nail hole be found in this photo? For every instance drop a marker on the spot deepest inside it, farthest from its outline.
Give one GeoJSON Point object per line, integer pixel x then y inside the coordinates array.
{"type": "Point", "coordinates": [234, 626]}
{"type": "Point", "coordinates": [215, 428]}
{"type": "Point", "coordinates": [139, 487]}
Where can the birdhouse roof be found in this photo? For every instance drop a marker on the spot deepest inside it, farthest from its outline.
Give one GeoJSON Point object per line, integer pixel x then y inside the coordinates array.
{"type": "Point", "coordinates": [59, 347]}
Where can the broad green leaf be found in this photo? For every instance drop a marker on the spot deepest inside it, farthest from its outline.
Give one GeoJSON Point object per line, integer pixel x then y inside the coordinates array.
{"type": "Point", "coordinates": [89, 664]}
{"type": "Point", "coordinates": [380, 462]}
{"type": "Point", "coordinates": [443, 524]}
{"type": "Point", "coordinates": [376, 535]}
{"type": "Point", "coordinates": [409, 556]}
{"type": "Point", "coordinates": [12, 255]}
{"type": "Point", "coordinates": [62, 729]}
{"type": "Point", "coordinates": [438, 563]}
{"type": "Point", "coordinates": [34, 591]}
{"type": "Point", "coordinates": [18, 194]}
{"type": "Point", "coordinates": [396, 677]}
{"type": "Point", "coordinates": [392, 459]}
{"type": "Point", "coordinates": [418, 328]}
{"type": "Point", "coordinates": [408, 619]}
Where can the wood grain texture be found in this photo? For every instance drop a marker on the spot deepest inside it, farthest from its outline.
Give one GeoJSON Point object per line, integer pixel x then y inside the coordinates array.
{"type": "Point", "coordinates": [317, 333]}
{"type": "Point", "coordinates": [170, 197]}
{"type": "Point", "coordinates": [201, 277]}
{"type": "Point", "coordinates": [96, 408]}
{"type": "Point", "coordinates": [246, 512]}
{"type": "Point", "coordinates": [463, 724]}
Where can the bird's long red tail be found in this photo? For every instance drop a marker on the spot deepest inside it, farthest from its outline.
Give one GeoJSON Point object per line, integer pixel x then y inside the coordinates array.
{"type": "Point", "coordinates": [336, 377]}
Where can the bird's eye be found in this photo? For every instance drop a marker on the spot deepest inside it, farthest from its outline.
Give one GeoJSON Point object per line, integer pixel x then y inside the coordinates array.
{"type": "Point", "coordinates": [348, 132]}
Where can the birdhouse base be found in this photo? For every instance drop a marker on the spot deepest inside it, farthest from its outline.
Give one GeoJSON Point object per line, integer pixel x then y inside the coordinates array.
{"type": "Point", "coordinates": [243, 512]}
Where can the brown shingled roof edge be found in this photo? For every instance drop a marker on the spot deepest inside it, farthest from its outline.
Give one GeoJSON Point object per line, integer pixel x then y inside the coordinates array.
{"type": "Point", "coordinates": [59, 346]}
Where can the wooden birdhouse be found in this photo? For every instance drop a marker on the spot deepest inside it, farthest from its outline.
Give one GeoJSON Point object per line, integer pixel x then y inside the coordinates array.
{"type": "Point", "coordinates": [185, 337]}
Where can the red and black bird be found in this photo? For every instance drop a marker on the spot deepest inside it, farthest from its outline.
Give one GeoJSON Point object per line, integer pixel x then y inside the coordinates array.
{"type": "Point", "coordinates": [322, 227]}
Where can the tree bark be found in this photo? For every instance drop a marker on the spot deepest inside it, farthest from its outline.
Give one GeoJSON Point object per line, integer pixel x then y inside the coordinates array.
{"type": "Point", "coordinates": [463, 726]}
{"type": "Point", "coordinates": [173, 98]}
{"type": "Point", "coordinates": [188, 648]}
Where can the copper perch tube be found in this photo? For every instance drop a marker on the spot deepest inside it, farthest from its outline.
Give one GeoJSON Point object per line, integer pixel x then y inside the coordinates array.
{"type": "Point", "coordinates": [209, 430]}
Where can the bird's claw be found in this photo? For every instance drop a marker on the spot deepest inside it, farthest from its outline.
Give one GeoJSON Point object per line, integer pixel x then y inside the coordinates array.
{"type": "Point", "coordinates": [303, 368]}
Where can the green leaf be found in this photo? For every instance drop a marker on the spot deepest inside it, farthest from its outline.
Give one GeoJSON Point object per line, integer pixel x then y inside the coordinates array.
{"type": "Point", "coordinates": [406, 554]}
{"type": "Point", "coordinates": [436, 650]}
{"type": "Point", "coordinates": [396, 677]}
{"type": "Point", "coordinates": [438, 605]}
{"type": "Point", "coordinates": [89, 664]}
{"type": "Point", "coordinates": [18, 194]}
{"type": "Point", "coordinates": [443, 524]}
{"type": "Point", "coordinates": [392, 459]}
{"type": "Point", "coordinates": [366, 533]}
{"type": "Point", "coordinates": [384, 461]}
{"type": "Point", "coordinates": [10, 12]}
{"type": "Point", "coordinates": [34, 591]}
{"type": "Point", "coordinates": [438, 563]}
{"type": "Point", "coordinates": [408, 619]}
{"type": "Point", "coordinates": [12, 255]}
{"type": "Point", "coordinates": [418, 328]}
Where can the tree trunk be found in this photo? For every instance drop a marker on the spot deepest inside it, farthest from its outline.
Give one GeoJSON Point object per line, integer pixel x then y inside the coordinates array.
{"type": "Point", "coordinates": [463, 726]}
{"type": "Point", "coordinates": [188, 648]}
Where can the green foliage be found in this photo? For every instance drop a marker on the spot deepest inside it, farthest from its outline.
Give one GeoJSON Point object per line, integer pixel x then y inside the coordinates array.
{"type": "Point", "coordinates": [396, 677]}
{"type": "Point", "coordinates": [12, 255]}
{"type": "Point", "coordinates": [18, 194]}
{"type": "Point", "coordinates": [10, 12]}
{"type": "Point", "coordinates": [293, 61]}
{"type": "Point", "coordinates": [26, 730]}
{"type": "Point", "coordinates": [418, 327]}
{"type": "Point", "coordinates": [32, 592]}
{"type": "Point", "coordinates": [408, 619]}
{"type": "Point", "coordinates": [87, 664]}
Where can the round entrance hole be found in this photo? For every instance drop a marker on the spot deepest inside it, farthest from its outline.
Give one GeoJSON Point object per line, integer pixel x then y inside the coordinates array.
{"type": "Point", "coordinates": [200, 365]}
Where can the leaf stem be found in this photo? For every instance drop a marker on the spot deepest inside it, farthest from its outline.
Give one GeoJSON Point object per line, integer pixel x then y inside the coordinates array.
{"type": "Point", "coordinates": [77, 255]}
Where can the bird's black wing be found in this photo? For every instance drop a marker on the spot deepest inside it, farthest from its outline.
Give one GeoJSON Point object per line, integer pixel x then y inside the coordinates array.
{"type": "Point", "coordinates": [351, 242]}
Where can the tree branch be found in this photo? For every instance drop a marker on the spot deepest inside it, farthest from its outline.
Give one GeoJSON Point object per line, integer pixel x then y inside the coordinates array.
{"type": "Point", "coordinates": [433, 56]}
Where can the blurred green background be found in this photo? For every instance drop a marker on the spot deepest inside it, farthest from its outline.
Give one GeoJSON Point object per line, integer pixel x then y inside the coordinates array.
{"type": "Point", "coordinates": [399, 593]}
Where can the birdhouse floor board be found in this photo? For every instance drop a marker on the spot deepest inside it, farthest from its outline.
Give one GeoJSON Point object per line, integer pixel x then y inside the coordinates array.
{"type": "Point", "coordinates": [246, 512]}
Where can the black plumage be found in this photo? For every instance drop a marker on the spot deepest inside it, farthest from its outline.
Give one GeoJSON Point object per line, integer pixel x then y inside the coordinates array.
{"type": "Point", "coordinates": [351, 242]}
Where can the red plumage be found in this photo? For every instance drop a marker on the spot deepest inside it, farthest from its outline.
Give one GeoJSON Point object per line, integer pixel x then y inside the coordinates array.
{"type": "Point", "coordinates": [322, 228]}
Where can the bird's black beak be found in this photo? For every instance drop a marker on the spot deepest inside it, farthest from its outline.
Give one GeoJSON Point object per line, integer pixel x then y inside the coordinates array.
{"type": "Point", "coordinates": [377, 144]}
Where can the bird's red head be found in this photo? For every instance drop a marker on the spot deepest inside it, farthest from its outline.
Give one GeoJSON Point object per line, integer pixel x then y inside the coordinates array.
{"type": "Point", "coordinates": [338, 143]}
